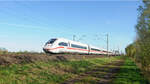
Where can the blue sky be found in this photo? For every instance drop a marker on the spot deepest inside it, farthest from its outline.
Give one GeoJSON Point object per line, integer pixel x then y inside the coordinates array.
{"type": "Point", "coordinates": [27, 25]}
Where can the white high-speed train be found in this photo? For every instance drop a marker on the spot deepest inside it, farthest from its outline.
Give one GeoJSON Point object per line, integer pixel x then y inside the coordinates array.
{"type": "Point", "coordinates": [61, 45]}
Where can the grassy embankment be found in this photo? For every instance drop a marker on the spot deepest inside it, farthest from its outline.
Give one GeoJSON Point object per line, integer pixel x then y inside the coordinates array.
{"type": "Point", "coordinates": [51, 72]}
{"type": "Point", "coordinates": [130, 74]}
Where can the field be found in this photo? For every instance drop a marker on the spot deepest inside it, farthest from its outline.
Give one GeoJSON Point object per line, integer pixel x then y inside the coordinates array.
{"type": "Point", "coordinates": [65, 70]}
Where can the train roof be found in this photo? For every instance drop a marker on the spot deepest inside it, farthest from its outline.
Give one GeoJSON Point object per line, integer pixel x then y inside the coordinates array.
{"type": "Point", "coordinates": [97, 47]}
{"type": "Point", "coordinates": [72, 41]}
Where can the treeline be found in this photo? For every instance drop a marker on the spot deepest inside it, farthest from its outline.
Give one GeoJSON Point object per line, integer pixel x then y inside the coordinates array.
{"type": "Point", "coordinates": [4, 51]}
{"type": "Point", "coordinates": [140, 49]}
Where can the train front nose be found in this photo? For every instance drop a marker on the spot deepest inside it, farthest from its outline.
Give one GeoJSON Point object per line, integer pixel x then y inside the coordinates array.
{"type": "Point", "coordinates": [47, 47]}
{"type": "Point", "coordinates": [45, 50]}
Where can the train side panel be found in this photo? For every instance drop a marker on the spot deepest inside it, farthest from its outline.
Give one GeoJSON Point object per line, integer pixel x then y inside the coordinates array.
{"type": "Point", "coordinates": [60, 45]}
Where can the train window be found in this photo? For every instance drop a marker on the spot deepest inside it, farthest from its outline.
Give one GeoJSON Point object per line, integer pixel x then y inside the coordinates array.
{"type": "Point", "coordinates": [63, 44]}
{"type": "Point", "coordinates": [78, 46]}
{"type": "Point", "coordinates": [52, 41]}
{"type": "Point", "coordinates": [95, 49]}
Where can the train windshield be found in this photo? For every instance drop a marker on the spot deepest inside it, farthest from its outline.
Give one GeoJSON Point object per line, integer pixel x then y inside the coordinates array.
{"type": "Point", "coordinates": [51, 41]}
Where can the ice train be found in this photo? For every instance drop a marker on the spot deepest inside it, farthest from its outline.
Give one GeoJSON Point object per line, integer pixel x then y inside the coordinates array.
{"type": "Point", "coordinates": [61, 45]}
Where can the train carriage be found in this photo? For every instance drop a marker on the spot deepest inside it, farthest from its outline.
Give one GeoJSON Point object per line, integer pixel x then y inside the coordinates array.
{"type": "Point", "coordinates": [95, 50]}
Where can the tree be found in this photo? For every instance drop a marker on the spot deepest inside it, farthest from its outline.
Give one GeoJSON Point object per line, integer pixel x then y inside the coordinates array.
{"type": "Point", "coordinates": [143, 34]}
{"type": "Point", "coordinates": [140, 49]}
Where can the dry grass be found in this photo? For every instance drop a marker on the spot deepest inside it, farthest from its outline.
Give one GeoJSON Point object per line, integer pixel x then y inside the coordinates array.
{"type": "Point", "coordinates": [21, 58]}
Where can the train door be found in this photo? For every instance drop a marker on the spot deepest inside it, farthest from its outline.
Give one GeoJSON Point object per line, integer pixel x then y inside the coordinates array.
{"type": "Point", "coordinates": [89, 49]}
{"type": "Point", "coordinates": [68, 50]}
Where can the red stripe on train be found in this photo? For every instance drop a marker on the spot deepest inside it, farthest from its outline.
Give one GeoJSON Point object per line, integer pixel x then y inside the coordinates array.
{"type": "Point", "coordinates": [73, 49]}
{"type": "Point", "coordinates": [77, 49]}
{"type": "Point", "coordinates": [54, 48]}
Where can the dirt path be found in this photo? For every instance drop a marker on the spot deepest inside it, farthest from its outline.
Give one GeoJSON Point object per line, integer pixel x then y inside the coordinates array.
{"type": "Point", "coordinates": [98, 75]}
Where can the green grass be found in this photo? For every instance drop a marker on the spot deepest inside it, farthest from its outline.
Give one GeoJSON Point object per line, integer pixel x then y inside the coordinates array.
{"type": "Point", "coordinates": [130, 74]}
{"type": "Point", "coordinates": [52, 72]}
{"type": "Point", "coordinates": [55, 72]}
